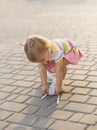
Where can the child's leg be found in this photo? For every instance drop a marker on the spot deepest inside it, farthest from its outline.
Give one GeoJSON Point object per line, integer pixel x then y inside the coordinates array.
{"type": "Point", "coordinates": [65, 71]}
{"type": "Point", "coordinates": [43, 76]}
{"type": "Point", "coordinates": [65, 67]}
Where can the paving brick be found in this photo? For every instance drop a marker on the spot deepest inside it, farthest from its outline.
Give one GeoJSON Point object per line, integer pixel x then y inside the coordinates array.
{"type": "Point", "coordinates": [30, 110]}
{"type": "Point", "coordinates": [6, 81]}
{"type": "Point", "coordinates": [37, 79]}
{"type": "Point", "coordinates": [87, 63]}
{"type": "Point", "coordinates": [67, 82]}
{"type": "Point", "coordinates": [60, 125]}
{"type": "Point", "coordinates": [21, 98]}
{"type": "Point", "coordinates": [43, 123]}
{"type": "Point", "coordinates": [19, 89]}
{"type": "Point", "coordinates": [18, 118]}
{"type": "Point", "coordinates": [3, 125]}
{"type": "Point", "coordinates": [29, 78]}
{"type": "Point", "coordinates": [35, 92]}
{"type": "Point", "coordinates": [8, 88]}
{"type": "Point", "coordinates": [26, 91]}
{"type": "Point", "coordinates": [25, 84]}
{"type": "Point", "coordinates": [92, 78]}
{"type": "Point", "coordinates": [76, 117]}
{"type": "Point", "coordinates": [81, 72]}
{"type": "Point", "coordinates": [79, 107]}
{"type": "Point", "coordinates": [61, 104]}
{"type": "Point", "coordinates": [79, 98]}
{"type": "Point", "coordinates": [80, 83]}
{"type": "Point", "coordinates": [19, 77]}
{"type": "Point", "coordinates": [77, 67]}
{"type": "Point", "coordinates": [27, 73]}
{"type": "Point", "coordinates": [67, 89]}
{"type": "Point", "coordinates": [65, 96]}
{"type": "Point", "coordinates": [89, 119]}
{"type": "Point", "coordinates": [18, 127]}
{"type": "Point", "coordinates": [93, 92]}
{"type": "Point", "coordinates": [4, 70]}
{"type": "Point", "coordinates": [7, 76]}
{"type": "Point", "coordinates": [60, 114]}
{"type": "Point", "coordinates": [1, 86]}
{"type": "Point", "coordinates": [1, 101]}
{"type": "Point", "coordinates": [94, 73]}
{"type": "Point", "coordinates": [4, 114]}
{"type": "Point", "coordinates": [11, 97]}
{"type": "Point", "coordinates": [45, 112]}
{"type": "Point", "coordinates": [11, 106]}
{"type": "Point", "coordinates": [81, 91]}
{"type": "Point", "coordinates": [93, 68]}
{"type": "Point", "coordinates": [3, 95]}
{"type": "Point", "coordinates": [67, 76]}
{"type": "Point", "coordinates": [86, 67]}
{"type": "Point", "coordinates": [30, 68]}
{"type": "Point", "coordinates": [92, 128]}
{"type": "Point", "coordinates": [70, 71]}
{"type": "Point", "coordinates": [42, 103]}
{"type": "Point", "coordinates": [92, 85]}
{"type": "Point", "coordinates": [93, 100]}
{"type": "Point", "coordinates": [78, 77]}
{"type": "Point", "coordinates": [15, 71]}
{"type": "Point", "coordinates": [36, 85]}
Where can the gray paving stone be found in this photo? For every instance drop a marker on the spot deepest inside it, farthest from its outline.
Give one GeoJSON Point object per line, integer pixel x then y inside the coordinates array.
{"type": "Point", "coordinates": [43, 123]}
{"type": "Point", "coordinates": [17, 118]}
{"type": "Point", "coordinates": [30, 110]}
{"type": "Point", "coordinates": [42, 103]}
{"type": "Point", "coordinates": [45, 112]}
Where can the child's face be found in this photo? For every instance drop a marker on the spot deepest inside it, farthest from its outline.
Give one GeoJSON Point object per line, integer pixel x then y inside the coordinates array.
{"type": "Point", "coordinates": [44, 57]}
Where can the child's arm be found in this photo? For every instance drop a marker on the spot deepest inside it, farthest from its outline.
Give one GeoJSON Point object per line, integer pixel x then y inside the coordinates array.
{"type": "Point", "coordinates": [43, 76]}
{"type": "Point", "coordinates": [59, 75]}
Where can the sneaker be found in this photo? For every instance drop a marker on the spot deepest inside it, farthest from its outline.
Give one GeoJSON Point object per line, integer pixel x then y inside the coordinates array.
{"type": "Point", "coordinates": [50, 78]}
{"type": "Point", "coordinates": [52, 90]}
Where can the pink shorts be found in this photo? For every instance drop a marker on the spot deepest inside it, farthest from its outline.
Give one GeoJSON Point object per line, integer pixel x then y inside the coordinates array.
{"type": "Point", "coordinates": [72, 57]}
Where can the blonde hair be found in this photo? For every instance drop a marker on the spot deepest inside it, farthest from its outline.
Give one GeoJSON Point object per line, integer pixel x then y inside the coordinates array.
{"type": "Point", "coordinates": [34, 45]}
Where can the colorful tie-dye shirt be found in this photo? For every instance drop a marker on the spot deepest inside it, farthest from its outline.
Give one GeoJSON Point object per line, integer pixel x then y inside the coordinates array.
{"type": "Point", "coordinates": [60, 47]}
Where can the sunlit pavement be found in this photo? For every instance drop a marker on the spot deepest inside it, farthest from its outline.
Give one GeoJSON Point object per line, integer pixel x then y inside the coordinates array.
{"type": "Point", "coordinates": [21, 107]}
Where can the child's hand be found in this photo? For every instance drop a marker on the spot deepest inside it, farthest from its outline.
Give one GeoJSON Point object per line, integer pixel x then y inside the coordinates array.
{"type": "Point", "coordinates": [58, 89]}
{"type": "Point", "coordinates": [44, 89]}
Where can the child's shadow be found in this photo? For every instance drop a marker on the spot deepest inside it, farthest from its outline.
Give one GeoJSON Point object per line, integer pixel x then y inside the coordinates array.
{"type": "Point", "coordinates": [38, 110]}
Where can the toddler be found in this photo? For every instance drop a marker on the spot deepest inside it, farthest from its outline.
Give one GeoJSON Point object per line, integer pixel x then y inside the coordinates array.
{"type": "Point", "coordinates": [54, 56]}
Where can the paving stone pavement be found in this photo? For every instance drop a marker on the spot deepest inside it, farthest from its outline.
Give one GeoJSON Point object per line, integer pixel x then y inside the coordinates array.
{"type": "Point", "coordinates": [21, 107]}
